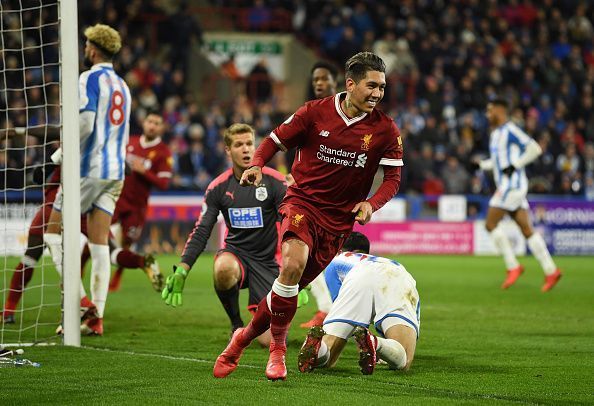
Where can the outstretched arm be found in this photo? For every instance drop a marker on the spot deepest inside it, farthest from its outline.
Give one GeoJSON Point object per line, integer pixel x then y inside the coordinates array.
{"type": "Point", "coordinates": [174, 285]}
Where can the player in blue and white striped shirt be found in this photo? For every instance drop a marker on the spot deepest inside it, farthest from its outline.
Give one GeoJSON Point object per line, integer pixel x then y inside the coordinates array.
{"type": "Point", "coordinates": [511, 149]}
{"type": "Point", "coordinates": [365, 289]}
{"type": "Point", "coordinates": [104, 121]}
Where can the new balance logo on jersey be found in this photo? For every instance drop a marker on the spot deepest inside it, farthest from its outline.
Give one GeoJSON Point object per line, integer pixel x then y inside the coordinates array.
{"type": "Point", "coordinates": [324, 133]}
{"type": "Point", "coordinates": [361, 161]}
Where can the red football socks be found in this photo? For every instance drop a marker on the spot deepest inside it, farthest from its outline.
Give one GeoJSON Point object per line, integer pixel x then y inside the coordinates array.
{"type": "Point", "coordinates": [129, 259]}
{"type": "Point", "coordinates": [20, 278]}
{"type": "Point", "coordinates": [283, 311]}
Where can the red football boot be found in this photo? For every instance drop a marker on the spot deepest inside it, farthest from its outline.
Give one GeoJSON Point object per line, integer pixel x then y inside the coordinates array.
{"type": "Point", "coordinates": [308, 355]}
{"type": "Point", "coordinates": [366, 346]}
{"type": "Point", "coordinates": [229, 358]}
{"type": "Point", "coordinates": [512, 276]}
{"type": "Point", "coordinates": [85, 304]}
{"type": "Point", "coordinates": [92, 326]}
{"type": "Point", "coordinates": [551, 280]}
{"type": "Point", "coordinates": [276, 368]}
{"type": "Point", "coordinates": [316, 320]}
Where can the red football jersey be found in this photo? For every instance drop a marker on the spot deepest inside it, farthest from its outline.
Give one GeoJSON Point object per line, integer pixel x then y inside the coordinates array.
{"type": "Point", "coordinates": [158, 163]}
{"type": "Point", "coordinates": [337, 158]}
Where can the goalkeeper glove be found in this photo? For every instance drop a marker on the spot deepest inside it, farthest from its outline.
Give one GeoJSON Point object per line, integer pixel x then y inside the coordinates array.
{"type": "Point", "coordinates": [302, 298]}
{"type": "Point", "coordinates": [509, 170]}
{"type": "Point", "coordinates": [174, 286]}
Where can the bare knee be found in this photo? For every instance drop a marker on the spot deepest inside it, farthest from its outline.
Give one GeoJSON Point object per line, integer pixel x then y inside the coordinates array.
{"type": "Point", "coordinates": [490, 226]}
{"type": "Point", "coordinates": [292, 270]}
{"type": "Point", "coordinates": [227, 272]}
{"type": "Point", "coordinates": [407, 337]}
{"type": "Point", "coordinates": [295, 253]}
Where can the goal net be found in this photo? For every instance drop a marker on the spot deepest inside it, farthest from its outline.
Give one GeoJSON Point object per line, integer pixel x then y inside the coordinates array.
{"type": "Point", "coordinates": [32, 103]}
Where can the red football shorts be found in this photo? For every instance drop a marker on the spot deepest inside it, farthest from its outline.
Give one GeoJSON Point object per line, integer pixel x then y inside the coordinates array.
{"type": "Point", "coordinates": [132, 222]}
{"type": "Point", "coordinates": [299, 223]}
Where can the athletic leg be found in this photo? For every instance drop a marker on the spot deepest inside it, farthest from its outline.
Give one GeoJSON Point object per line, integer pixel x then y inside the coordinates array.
{"type": "Point", "coordinates": [539, 249]}
{"type": "Point", "coordinates": [501, 241]}
{"type": "Point", "coordinates": [227, 276]}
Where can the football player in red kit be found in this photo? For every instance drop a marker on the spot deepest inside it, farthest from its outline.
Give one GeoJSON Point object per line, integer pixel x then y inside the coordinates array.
{"type": "Point", "coordinates": [342, 141]}
{"type": "Point", "coordinates": [150, 164]}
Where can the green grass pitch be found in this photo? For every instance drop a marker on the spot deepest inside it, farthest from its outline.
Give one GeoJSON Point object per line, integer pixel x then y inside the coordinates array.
{"type": "Point", "coordinates": [478, 344]}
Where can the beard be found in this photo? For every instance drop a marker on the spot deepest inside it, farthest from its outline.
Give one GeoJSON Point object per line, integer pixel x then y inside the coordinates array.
{"type": "Point", "coordinates": [87, 61]}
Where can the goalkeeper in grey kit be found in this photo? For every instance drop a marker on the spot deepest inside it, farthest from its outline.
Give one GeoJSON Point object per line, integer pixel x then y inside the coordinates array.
{"type": "Point", "coordinates": [250, 257]}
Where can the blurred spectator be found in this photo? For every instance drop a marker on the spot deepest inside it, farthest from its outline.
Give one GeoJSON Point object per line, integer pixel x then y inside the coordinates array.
{"type": "Point", "coordinates": [568, 163]}
{"type": "Point", "coordinates": [259, 86]}
{"type": "Point", "coordinates": [455, 177]}
{"type": "Point", "coordinates": [184, 32]}
{"type": "Point", "coordinates": [444, 61]}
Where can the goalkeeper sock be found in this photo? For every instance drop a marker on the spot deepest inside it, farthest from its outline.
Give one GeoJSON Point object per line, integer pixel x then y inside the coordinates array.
{"type": "Point", "coordinates": [320, 291]}
{"type": "Point", "coordinates": [20, 278]}
{"type": "Point", "coordinates": [230, 300]}
{"type": "Point", "coordinates": [283, 305]}
{"type": "Point", "coordinates": [100, 273]}
{"type": "Point", "coordinates": [392, 352]}
{"type": "Point", "coordinates": [54, 243]}
{"type": "Point", "coordinates": [503, 245]}
{"type": "Point", "coordinates": [539, 249]}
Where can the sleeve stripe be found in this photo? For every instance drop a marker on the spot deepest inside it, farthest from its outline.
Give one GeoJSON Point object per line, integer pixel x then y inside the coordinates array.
{"type": "Point", "coordinates": [278, 142]}
{"type": "Point", "coordinates": [164, 174]}
{"type": "Point", "coordinates": [391, 162]}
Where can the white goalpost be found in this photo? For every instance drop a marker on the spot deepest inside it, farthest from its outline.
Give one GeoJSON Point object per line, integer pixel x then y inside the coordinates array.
{"type": "Point", "coordinates": [38, 101]}
{"type": "Point", "coordinates": [70, 170]}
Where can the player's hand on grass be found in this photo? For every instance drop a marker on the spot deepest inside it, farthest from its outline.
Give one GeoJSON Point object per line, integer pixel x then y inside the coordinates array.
{"type": "Point", "coordinates": [174, 286]}
{"type": "Point", "coordinates": [251, 176]}
{"type": "Point", "coordinates": [364, 212]}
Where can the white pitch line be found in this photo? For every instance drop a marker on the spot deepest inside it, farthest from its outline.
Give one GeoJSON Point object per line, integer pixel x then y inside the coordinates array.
{"type": "Point", "coordinates": [163, 356]}
{"type": "Point", "coordinates": [42, 344]}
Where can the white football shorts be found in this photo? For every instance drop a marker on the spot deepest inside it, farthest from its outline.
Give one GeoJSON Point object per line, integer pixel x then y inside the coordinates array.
{"type": "Point", "coordinates": [100, 193]}
{"type": "Point", "coordinates": [509, 199]}
{"type": "Point", "coordinates": [380, 292]}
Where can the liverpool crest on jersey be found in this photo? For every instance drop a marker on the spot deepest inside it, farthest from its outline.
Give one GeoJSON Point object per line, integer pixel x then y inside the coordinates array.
{"type": "Point", "coordinates": [366, 141]}
{"type": "Point", "coordinates": [261, 193]}
{"type": "Point", "coordinates": [296, 221]}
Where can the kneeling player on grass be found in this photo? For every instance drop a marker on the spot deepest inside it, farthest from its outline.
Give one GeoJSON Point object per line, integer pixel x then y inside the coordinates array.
{"type": "Point", "coordinates": [365, 289]}
{"type": "Point", "coordinates": [250, 256]}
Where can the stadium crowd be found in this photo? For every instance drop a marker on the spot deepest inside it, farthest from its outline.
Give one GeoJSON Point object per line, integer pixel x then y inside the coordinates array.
{"type": "Point", "coordinates": [445, 60]}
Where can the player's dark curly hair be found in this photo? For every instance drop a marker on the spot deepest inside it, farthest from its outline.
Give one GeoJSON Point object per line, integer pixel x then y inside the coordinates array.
{"type": "Point", "coordinates": [359, 64]}
{"type": "Point", "coordinates": [325, 65]}
{"type": "Point", "coordinates": [356, 242]}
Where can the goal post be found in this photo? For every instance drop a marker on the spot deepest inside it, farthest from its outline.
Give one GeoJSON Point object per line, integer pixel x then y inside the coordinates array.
{"type": "Point", "coordinates": [70, 169]}
{"type": "Point", "coordinates": [39, 55]}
